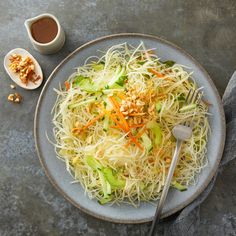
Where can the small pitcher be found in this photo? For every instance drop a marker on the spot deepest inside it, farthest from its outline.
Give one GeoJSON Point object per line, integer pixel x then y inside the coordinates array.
{"type": "Point", "coordinates": [46, 48]}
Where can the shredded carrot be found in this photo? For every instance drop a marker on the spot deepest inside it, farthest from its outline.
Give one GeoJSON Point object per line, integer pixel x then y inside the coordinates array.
{"type": "Point", "coordinates": [116, 106]}
{"type": "Point", "coordinates": [115, 127]}
{"type": "Point", "coordinates": [67, 84]}
{"type": "Point", "coordinates": [121, 116]}
{"type": "Point", "coordinates": [93, 121]}
{"type": "Point", "coordinates": [158, 74]}
{"type": "Point", "coordinates": [140, 133]}
{"type": "Point", "coordinates": [114, 119]}
{"type": "Point", "coordinates": [74, 130]}
{"type": "Point", "coordinates": [135, 141]}
{"type": "Point", "coordinates": [114, 102]}
{"type": "Point", "coordinates": [121, 96]}
{"type": "Point", "coordinates": [126, 131]}
{"type": "Point", "coordinates": [88, 124]}
{"type": "Point", "coordinates": [126, 127]}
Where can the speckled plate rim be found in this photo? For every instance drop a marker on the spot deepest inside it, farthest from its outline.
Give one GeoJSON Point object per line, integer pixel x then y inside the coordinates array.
{"type": "Point", "coordinates": [222, 118]}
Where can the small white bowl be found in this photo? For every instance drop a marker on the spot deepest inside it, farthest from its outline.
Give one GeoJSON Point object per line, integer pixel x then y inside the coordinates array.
{"type": "Point", "coordinates": [15, 76]}
{"type": "Point", "coordinates": [46, 48]}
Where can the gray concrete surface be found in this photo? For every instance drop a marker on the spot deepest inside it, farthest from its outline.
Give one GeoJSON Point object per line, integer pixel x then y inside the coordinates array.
{"type": "Point", "coordinates": [29, 205]}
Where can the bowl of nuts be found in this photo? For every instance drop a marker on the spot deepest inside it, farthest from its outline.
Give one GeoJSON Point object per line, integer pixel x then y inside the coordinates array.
{"type": "Point", "coordinates": [23, 69]}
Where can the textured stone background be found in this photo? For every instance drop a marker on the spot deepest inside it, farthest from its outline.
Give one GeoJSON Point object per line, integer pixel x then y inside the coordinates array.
{"type": "Point", "coordinates": [29, 205]}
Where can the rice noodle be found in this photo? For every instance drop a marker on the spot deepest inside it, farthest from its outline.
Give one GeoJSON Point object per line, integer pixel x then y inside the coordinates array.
{"type": "Point", "coordinates": [144, 172]}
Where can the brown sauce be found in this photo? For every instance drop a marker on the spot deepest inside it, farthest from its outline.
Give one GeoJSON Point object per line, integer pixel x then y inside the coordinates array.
{"type": "Point", "coordinates": [44, 30]}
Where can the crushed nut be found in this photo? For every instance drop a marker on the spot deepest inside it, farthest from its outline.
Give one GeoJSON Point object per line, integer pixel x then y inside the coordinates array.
{"type": "Point", "coordinates": [24, 67]}
{"type": "Point", "coordinates": [16, 97]}
{"type": "Point", "coordinates": [10, 97]}
{"type": "Point", "coordinates": [77, 124]}
{"type": "Point", "coordinates": [133, 107]}
{"type": "Point", "coordinates": [17, 100]}
{"type": "Point", "coordinates": [168, 160]}
{"type": "Point", "coordinates": [122, 108]}
{"type": "Point", "coordinates": [151, 109]}
{"type": "Point", "coordinates": [140, 103]}
{"type": "Point", "coordinates": [12, 86]}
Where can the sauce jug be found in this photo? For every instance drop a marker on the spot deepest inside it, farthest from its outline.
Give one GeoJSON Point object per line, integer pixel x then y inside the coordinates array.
{"type": "Point", "coordinates": [45, 33]}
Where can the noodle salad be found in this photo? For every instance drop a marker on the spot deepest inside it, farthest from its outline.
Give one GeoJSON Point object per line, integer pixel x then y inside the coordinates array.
{"type": "Point", "coordinates": [113, 124]}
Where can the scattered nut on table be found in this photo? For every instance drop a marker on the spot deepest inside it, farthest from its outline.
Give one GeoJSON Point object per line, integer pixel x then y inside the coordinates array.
{"type": "Point", "coordinates": [14, 97]}
{"type": "Point", "coordinates": [10, 97]}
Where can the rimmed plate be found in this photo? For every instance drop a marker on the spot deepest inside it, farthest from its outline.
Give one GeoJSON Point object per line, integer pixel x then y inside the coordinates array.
{"type": "Point", "coordinates": [55, 169]}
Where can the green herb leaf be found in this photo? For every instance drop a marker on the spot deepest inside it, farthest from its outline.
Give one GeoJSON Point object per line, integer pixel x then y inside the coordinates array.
{"type": "Point", "coordinates": [158, 106]}
{"type": "Point", "coordinates": [78, 79]}
{"type": "Point", "coordinates": [121, 80]}
{"type": "Point", "coordinates": [141, 62]}
{"type": "Point", "coordinates": [181, 97]}
{"type": "Point", "coordinates": [169, 63]}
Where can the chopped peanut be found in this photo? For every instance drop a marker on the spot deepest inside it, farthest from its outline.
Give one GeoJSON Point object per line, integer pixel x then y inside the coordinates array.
{"type": "Point", "coordinates": [168, 160]}
{"type": "Point", "coordinates": [16, 97]}
{"type": "Point", "coordinates": [24, 67]}
{"type": "Point", "coordinates": [10, 97]}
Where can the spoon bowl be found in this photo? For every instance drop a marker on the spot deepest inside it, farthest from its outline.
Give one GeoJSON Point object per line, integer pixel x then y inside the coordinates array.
{"type": "Point", "coordinates": [15, 77]}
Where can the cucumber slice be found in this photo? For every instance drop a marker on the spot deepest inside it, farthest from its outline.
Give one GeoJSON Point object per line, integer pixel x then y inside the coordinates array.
{"type": "Point", "coordinates": [112, 179]}
{"type": "Point", "coordinates": [188, 107]}
{"type": "Point", "coordinates": [98, 67]}
{"type": "Point", "coordinates": [74, 105]}
{"type": "Point", "coordinates": [106, 123]}
{"type": "Point", "coordinates": [178, 186]}
{"type": "Point", "coordinates": [105, 200]}
{"type": "Point", "coordinates": [156, 131]}
{"type": "Point", "coordinates": [93, 163]}
{"type": "Point", "coordinates": [106, 188]}
{"type": "Point", "coordinates": [116, 80]}
{"type": "Point", "coordinates": [158, 107]}
{"type": "Point", "coordinates": [146, 142]}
